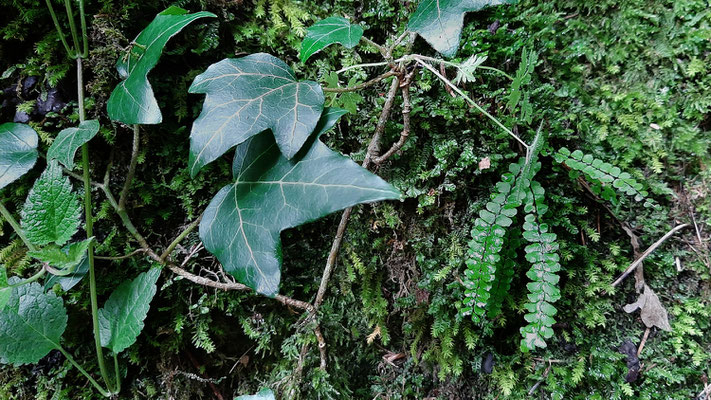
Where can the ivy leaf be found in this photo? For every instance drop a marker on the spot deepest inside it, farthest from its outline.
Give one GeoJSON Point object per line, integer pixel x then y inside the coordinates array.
{"type": "Point", "coordinates": [440, 21]}
{"type": "Point", "coordinates": [67, 282]}
{"type": "Point", "coordinates": [245, 96]}
{"type": "Point", "coordinates": [51, 213]}
{"type": "Point", "coordinates": [264, 394]}
{"type": "Point", "coordinates": [31, 324]}
{"type": "Point", "coordinates": [121, 318]}
{"type": "Point", "coordinates": [18, 151]}
{"type": "Point", "coordinates": [132, 101]}
{"type": "Point", "coordinates": [69, 140]}
{"type": "Point", "coordinates": [327, 32]}
{"type": "Point", "coordinates": [5, 290]}
{"type": "Point", "coordinates": [242, 223]}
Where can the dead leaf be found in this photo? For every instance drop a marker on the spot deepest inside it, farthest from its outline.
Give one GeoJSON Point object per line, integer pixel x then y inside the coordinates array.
{"type": "Point", "coordinates": [653, 313]}
{"type": "Point", "coordinates": [485, 163]}
{"type": "Point", "coordinates": [375, 334]}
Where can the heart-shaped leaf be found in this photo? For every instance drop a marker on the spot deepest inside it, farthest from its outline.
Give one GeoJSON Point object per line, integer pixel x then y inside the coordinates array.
{"type": "Point", "coordinates": [264, 394]}
{"type": "Point", "coordinates": [51, 213]}
{"type": "Point", "coordinates": [132, 101]}
{"type": "Point", "coordinates": [440, 21]}
{"type": "Point", "coordinates": [69, 140]}
{"type": "Point", "coordinates": [18, 151]}
{"type": "Point", "coordinates": [121, 318]}
{"type": "Point", "coordinates": [31, 324]}
{"type": "Point", "coordinates": [245, 96]}
{"type": "Point", "coordinates": [242, 223]}
{"type": "Point", "coordinates": [327, 32]}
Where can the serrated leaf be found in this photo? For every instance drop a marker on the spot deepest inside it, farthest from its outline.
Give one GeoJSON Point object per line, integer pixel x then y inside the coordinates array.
{"type": "Point", "coordinates": [440, 21]}
{"type": "Point", "coordinates": [264, 394]}
{"type": "Point", "coordinates": [67, 282]}
{"type": "Point", "coordinates": [31, 325]}
{"type": "Point", "coordinates": [67, 258]}
{"type": "Point", "coordinates": [121, 318]}
{"type": "Point", "coordinates": [18, 151]}
{"type": "Point", "coordinates": [245, 96]}
{"type": "Point", "coordinates": [242, 223]}
{"type": "Point", "coordinates": [132, 101]}
{"type": "Point", "coordinates": [327, 32]}
{"type": "Point", "coordinates": [51, 213]}
{"type": "Point", "coordinates": [69, 140]}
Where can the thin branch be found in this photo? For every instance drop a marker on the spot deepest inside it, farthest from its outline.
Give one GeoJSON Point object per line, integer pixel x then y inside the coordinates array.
{"type": "Point", "coordinates": [647, 253]}
{"type": "Point", "coordinates": [118, 258]}
{"type": "Point", "coordinates": [180, 238]}
{"type": "Point", "coordinates": [131, 168]}
{"type": "Point", "coordinates": [406, 109]}
{"type": "Point", "coordinates": [372, 149]}
{"type": "Point", "coordinates": [360, 86]}
{"type": "Point", "coordinates": [472, 102]}
{"type": "Point", "coordinates": [383, 51]}
{"type": "Point", "coordinates": [366, 65]}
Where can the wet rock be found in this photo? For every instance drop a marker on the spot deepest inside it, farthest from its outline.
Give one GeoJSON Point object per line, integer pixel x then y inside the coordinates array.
{"type": "Point", "coordinates": [487, 366]}
{"type": "Point", "coordinates": [53, 102]}
{"type": "Point", "coordinates": [27, 85]}
{"type": "Point", "coordinates": [21, 117]}
{"type": "Point", "coordinates": [630, 350]}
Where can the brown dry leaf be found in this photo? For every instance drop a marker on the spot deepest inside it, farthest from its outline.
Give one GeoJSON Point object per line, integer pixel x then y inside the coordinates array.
{"type": "Point", "coordinates": [653, 313]}
{"type": "Point", "coordinates": [375, 334]}
{"type": "Point", "coordinates": [485, 163]}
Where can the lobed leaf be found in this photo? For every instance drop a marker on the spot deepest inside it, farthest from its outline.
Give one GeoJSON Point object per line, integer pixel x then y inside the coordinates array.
{"type": "Point", "coordinates": [439, 22]}
{"type": "Point", "coordinates": [31, 325]}
{"type": "Point", "coordinates": [327, 32]}
{"type": "Point", "coordinates": [121, 318]}
{"type": "Point", "coordinates": [242, 223]}
{"type": "Point", "coordinates": [245, 96]}
{"type": "Point", "coordinates": [18, 151]}
{"type": "Point", "coordinates": [51, 213]}
{"type": "Point", "coordinates": [133, 101]}
{"type": "Point", "coordinates": [69, 140]}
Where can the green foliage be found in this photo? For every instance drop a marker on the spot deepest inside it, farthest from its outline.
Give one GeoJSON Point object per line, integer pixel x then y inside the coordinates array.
{"type": "Point", "coordinates": [235, 227]}
{"type": "Point", "coordinates": [245, 96]}
{"type": "Point", "coordinates": [517, 96]}
{"type": "Point", "coordinates": [69, 140]}
{"type": "Point", "coordinates": [5, 290]}
{"type": "Point", "coordinates": [31, 324]}
{"type": "Point", "coordinates": [18, 151]}
{"type": "Point", "coordinates": [65, 259]}
{"type": "Point", "coordinates": [133, 101]}
{"type": "Point", "coordinates": [440, 21]}
{"type": "Point", "coordinates": [327, 32]}
{"type": "Point", "coordinates": [121, 318]}
{"type": "Point", "coordinates": [264, 394]}
{"type": "Point", "coordinates": [51, 211]}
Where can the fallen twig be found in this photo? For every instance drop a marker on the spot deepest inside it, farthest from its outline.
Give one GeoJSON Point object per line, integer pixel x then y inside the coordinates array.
{"type": "Point", "coordinates": [647, 253]}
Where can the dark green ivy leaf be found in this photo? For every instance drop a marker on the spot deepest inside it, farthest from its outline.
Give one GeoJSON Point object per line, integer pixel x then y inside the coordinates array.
{"type": "Point", "coordinates": [132, 101]}
{"type": "Point", "coordinates": [245, 96]}
{"type": "Point", "coordinates": [327, 32]}
{"type": "Point", "coordinates": [440, 21]}
{"type": "Point", "coordinates": [69, 140]}
{"type": "Point", "coordinates": [18, 151]}
{"type": "Point", "coordinates": [31, 324]}
{"type": "Point", "coordinates": [242, 223]}
{"type": "Point", "coordinates": [121, 318]}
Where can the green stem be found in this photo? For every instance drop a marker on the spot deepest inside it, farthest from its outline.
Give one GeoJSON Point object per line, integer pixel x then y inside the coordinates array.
{"type": "Point", "coordinates": [85, 37]}
{"type": "Point", "coordinates": [96, 384]}
{"type": "Point", "coordinates": [118, 374]}
{"type": "Point", "coordinates": [90, 230]}
{"type": "Point", "coordinates": [72, 26]}
{"type": "Point", "coordinates": [31, 279]}
{"type": "Point", "coordinates": [15, 226]}
{"type": "Point", "coordinates": [70, 53]}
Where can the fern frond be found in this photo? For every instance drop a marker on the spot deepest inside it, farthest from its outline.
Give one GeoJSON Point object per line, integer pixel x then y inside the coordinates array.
{"type": "Point", "coordinates": [604, 173]}
{"type": "Point", "coordinates": [543, 288]}
{"type": "Point", "coordinates": [504, 274]}
{"type": "Point", "coordinates": [487, 241]}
